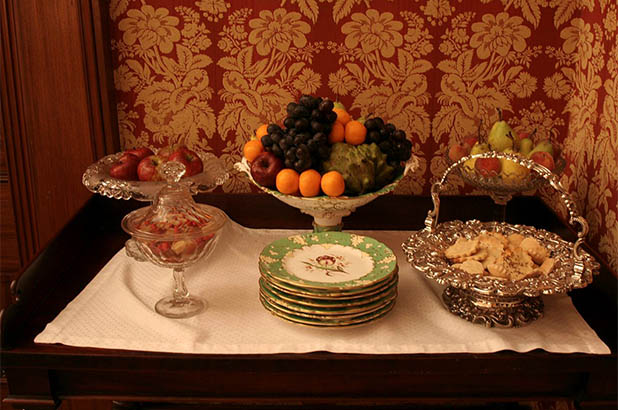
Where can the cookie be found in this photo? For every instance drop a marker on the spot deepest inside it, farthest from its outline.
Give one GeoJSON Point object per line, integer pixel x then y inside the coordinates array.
{"type": "Point", "coordinates": [478, 256]}
{"type": "Point", "coordinates": [461, 248]}
{"type": "Point", "coordinates": [471, 266]}
{"type": "Point", "coordinates": [515, 239]}
{"type": "Point", "coordinates": [498, 270]}
{"type": "Point", "coordinates": [534, 249]}
{"type": "Point", "coordinates": [547, 266]}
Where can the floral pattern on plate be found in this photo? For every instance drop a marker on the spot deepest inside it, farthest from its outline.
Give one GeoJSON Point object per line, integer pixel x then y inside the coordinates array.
{"type": "Point", "coordinates": [328, 260]}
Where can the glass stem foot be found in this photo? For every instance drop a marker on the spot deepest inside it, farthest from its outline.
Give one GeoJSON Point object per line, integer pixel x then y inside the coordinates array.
{"type": "Point", "coordinates": [181, 304]}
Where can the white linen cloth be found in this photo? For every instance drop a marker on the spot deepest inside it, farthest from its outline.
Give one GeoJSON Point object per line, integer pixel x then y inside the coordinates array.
{"type": "Point", "coordinates": [116, 310]}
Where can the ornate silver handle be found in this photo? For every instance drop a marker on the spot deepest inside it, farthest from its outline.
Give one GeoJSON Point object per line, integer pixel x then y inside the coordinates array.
{"type": "Point", "coordinates": [574, 217]}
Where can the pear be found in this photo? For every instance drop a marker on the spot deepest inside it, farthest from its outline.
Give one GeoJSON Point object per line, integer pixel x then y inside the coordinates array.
{"type": "Point", "coordinates": [512, 172]}
{"type": "Point", "coordinates": [478, 148]}
{"type": "Point", "coordinates": [544, 145]}
{"type": "Point", "coordinates": [338, 104]}
{"type": "Point", "coordinates": [500, 136]}
{"type": "Point", "coordinates": [525, 146]}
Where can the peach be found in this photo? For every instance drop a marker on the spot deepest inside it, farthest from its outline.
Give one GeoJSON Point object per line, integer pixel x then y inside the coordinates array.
{"type": "Point", "coordinates": [488, 167]}
{"type": "Point", "coordinates": [458, 151]}
{"type": "Point", "coordinates": [543, 158]}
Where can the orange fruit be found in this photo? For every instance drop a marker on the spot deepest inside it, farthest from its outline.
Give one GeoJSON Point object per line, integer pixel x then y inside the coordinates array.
{"type": "Point", "coordinates": [337, 133]}
{"type": "Point", "coordinates": [309, 182]}
{"type": "Point", "coordinates": [342, 115]}
{"type": "Point", "coordinates": [252, 149]}
{"type": "Point", "coordinates": [261, 131]}
{"type": "Point", "coordinates": [355, 132]}
{"type": "Point", "coordinates": [332, 183]}
{"type": "Point", "coordinates": [287, 181]}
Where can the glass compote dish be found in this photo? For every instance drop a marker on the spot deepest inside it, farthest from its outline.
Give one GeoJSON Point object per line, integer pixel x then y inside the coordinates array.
{"type": "Point", "coordinates": [502, 187]}
{"type": "Point", "coordinates": [174, 232]}
{"type": "Point", "coordinates": [327, 212]}
{"type": "Point", "coordinates": [96, 179]}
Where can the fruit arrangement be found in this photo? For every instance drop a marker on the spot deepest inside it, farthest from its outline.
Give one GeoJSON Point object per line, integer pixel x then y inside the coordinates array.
{"type": "Point", "coordinates": [142, 164]}
{"type": "Point", "coordinates": [501, 139]}
{"type": "Point", "coordinates": [180, 249]}
{"type": "Point", "coordinates": [320, 148]}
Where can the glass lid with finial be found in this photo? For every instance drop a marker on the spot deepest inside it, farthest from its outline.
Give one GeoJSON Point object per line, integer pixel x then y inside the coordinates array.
{"type": "Point", "coordinates": [173, 214]}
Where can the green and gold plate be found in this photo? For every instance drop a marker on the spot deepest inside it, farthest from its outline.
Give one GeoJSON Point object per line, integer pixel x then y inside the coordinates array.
{"type": "Point", "coordinates": [319, 294]}
{"type": "Point", "coordinates": [326, 312]}
{"type": "Point", "coordinates": [328, 261]}
{"type": "Point", "coordinates": [325, 323]}
{"type": "Point", "coordinates": [340, 302]}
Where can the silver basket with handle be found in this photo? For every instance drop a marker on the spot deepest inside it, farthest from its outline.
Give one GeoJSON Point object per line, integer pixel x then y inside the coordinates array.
{"type": "Point", "coordinates": [489, 300]}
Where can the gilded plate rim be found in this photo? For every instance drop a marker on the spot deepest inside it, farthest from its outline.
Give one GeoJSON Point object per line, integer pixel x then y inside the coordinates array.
{"type": "Point", "coordinates": [301, 321]}
{"type": "Point", "coordinates": [269, 263]}
{"type": "Point", "coordinates": [321, 294]}
{"type": "Point", "coordinates": [307, 312]}
{"type": "Point", "coordinates": [335, 302]}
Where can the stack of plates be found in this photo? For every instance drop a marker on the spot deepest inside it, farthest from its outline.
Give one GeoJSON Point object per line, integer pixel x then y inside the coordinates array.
{"type": "Point", "coordinates": [328, 279]}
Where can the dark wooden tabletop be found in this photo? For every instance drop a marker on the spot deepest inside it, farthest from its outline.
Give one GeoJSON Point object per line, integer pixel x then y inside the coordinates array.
{"type": "Point", "coordinates": [40, 376]}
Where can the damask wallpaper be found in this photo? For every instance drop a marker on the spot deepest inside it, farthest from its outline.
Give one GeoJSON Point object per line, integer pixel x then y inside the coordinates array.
{"type": "Point", "coordinates": [207, 73]}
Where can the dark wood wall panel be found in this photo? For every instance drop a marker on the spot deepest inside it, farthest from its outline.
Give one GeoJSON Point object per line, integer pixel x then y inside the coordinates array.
{"type": "Point", "coordinates": [55, 109]}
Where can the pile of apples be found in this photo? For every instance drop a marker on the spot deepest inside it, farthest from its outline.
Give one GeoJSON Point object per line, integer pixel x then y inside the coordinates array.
{"type": "Point", "coordinates": [142, 164]}
{"type": "Point", "coordinates": [501, 139]}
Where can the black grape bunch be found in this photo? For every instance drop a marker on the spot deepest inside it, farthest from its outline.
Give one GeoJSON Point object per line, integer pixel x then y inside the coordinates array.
{"type": "Point", "coordinates": [390, 140]}
{"type": "Point", "coordinates": [302, 143]}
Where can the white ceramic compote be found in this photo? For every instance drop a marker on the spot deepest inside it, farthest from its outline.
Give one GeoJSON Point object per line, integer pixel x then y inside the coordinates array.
{"type": "Point", "coordinates": [174, 232]}
{"type": "Point", "coordinates": [327, 212]}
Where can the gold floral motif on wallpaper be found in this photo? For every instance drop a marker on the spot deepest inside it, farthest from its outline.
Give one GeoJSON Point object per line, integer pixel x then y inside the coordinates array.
{"type": "Point", "coordinates": [207, 73]}
{"type": "Point", "coordinates": [164, 64]}
{"type": "Point", "coordinates": [383, 70]}
{"type": "Point", "coordinates": [269, 65]}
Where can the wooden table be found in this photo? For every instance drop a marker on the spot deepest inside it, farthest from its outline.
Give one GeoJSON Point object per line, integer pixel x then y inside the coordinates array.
{"type": "Point", "coordinates": [40, 376]}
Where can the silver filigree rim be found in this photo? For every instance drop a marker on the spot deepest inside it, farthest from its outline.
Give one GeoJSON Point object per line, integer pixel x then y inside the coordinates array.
{"type": "Point", "coordinates": [424, 250]}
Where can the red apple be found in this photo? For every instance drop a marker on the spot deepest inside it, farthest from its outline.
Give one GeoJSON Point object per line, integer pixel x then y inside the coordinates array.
{"type": "Point", "coordinates": [140, 153]}
{"type": "Point", "coordinates": [488, 167]}
{"type": "Point", "coordinates": [148, 168]}
{"type": "Point", "coordinates": [458, 151]}
{"type": "Point", "coordinates": [543, 158]}
{"type": "Point", "coordinates": [265, 167]}
{"type": "Point", "coordinates": [470, 141]}
{"type": "Point", "coordinates": [165, 152]}
{"type": "Point", "coordinates": [189, 158]}
{"type": "Point", "coordinates": [125, 168]}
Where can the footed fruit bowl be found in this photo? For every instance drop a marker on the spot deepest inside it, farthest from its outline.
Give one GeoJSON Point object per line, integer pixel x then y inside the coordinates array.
{"type": "Point", "coordinates": [501, 187]}
{"type": "Point", "coordinates": [327, 212]}
{"type": "Point", "coordinates": [97, 179]}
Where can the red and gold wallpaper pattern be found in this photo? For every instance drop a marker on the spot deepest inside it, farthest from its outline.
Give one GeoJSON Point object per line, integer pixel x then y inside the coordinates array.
{"type": "Point", "coordinates": [207, 73]}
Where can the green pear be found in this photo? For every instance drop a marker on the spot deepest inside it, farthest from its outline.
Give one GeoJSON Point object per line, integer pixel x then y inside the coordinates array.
{"type": "Point", "coordinates": [338, 104]}
{"type": "Point", "coordinates": [512, 172]}
{"type": "Point", "coordinates": [478, 148]}
{"type": "Point", "coordinates": [525, 146]}
{"type": "Point", "coordinates": [500, 136]}
{"type": "Point", "coordinates": [544, 145]}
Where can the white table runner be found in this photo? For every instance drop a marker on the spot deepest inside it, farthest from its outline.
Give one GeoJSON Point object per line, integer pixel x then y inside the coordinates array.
{"type": "Point", "coordinates": [116, 311]}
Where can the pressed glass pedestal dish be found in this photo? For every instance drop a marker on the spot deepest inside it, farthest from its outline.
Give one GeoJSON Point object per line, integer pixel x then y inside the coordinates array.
{"type": "Point", "coordinates": [174, 232]}
{"type": "Point", "coordinates": [501, 188]}
{"type": "Point", "coordinates": [327, 212]}
{"type": "Point", "coordinates": [96, 179]}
